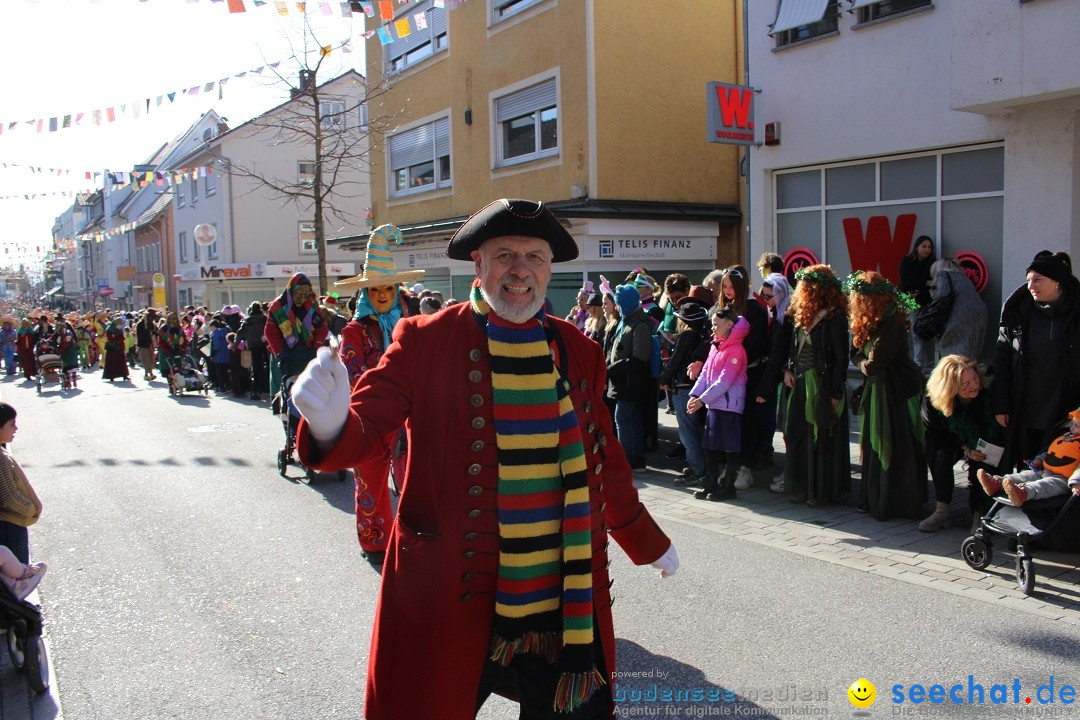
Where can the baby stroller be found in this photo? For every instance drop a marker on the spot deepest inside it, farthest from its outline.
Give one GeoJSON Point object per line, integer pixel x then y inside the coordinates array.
{"type": "Point", "coordinates": [185, 377]}
{"type": "Point", "coordinates": [49, 366]}
{"type": "Point", "coordinates": [1021, 526]}
{"type": "Point", "coordinates": [290, 420]}
{"type": "Point", "coordinates": [26, 648]}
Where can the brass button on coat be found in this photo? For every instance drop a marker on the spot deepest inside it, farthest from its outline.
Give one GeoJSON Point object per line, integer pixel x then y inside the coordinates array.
{"type": "Point", "coordinates": [466, 597]}
{"type": "Point", "coordinates": [470, 554]}
{"type": "Point", "coordinates": [584, 385]}
{"type": "Point", "coordinates": [475, 490]}
{"type": "Point", "coordinates": [477, 445]}
{"type": "Point", "coordinates": [598, 468]}
{"type": "Point", "coordinates": [477, 422]}
{"type": "Point", "coordinates": [470, 536]}
{"type": "Point", "coordinates": [596, 448]}
{"type": "Point", "coordinates": [467, 577]}
{"type": "Point", "coordinates": [476, 400]}
{"type": "Point", "coordinates": [473, 514]}
{"type": "Point", "coordinates": [588, 406]}
{"type": "Point", "coordinates": [475, 376]}
{"type": "Point", "coordinates": [474, 469]}
{"type": "Point", "coordinates": [474, 355]}
{"type": "Point", "coordinates": [592, 427]}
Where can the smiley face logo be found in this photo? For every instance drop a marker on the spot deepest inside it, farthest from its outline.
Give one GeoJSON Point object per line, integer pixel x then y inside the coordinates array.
{"type": "Point", "coordinates": [862, 693]}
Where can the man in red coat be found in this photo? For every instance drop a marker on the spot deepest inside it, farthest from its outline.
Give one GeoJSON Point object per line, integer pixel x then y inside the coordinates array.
{"type": "Point", "coordinates": [495, 577]}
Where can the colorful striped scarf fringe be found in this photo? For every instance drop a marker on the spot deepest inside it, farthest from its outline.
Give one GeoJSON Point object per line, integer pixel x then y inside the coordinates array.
{"type": "Point", "coordinates": [543, 594]}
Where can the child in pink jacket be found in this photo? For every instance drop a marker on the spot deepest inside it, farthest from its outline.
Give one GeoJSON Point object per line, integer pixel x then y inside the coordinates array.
{"type": "Point", "coordinates": [721, 388]}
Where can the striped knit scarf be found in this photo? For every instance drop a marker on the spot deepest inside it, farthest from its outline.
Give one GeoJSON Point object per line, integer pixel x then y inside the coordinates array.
{"type": "Point", "coordinates": [543, 595]}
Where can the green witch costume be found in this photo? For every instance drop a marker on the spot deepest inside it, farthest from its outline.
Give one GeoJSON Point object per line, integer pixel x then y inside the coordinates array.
{"type": "Point", "coordinates": [891, 428]}
{"type": "Point", "coordinates": [817, 464]}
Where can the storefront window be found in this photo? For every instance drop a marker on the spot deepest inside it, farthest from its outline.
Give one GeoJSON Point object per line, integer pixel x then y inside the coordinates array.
{"type": "Point", "coordinates": [975, 226]}
{"type": "Point", "coordinates": [909, 178]}
{"type": "Point", "coordinates": [799, 230]}
{"type": "Point", "coordinates": [849, 184]}
{"type": "Point", "coordinates": [973, 171]}
{"type": "Point", "coordinates": [875, 237]}
{"type": "Point", "coordinates": [798, 189]}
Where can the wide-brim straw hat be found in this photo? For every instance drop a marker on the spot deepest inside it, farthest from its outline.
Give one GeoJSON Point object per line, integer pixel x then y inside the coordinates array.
{"type": "Point", "coordinates": [8, 319]}
{"type": "Point", "coordinates": [379, 266]}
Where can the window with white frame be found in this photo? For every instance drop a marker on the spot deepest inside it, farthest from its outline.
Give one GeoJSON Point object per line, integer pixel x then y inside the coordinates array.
{"type": "Point", "coordinates": [157, 258]}
{"type": "Point", "coordinates": [212, 248]}
{"type": "Point", "coordinates": [180, 201]}
{"type": "Point", "coordinates": [194, 186]}
{"type": "Point", "coordinates": [140, 259]}
{"type": "Point", "coordinates": [877, 9]}
{"type": "Point", "coordinates": [209, 183]}
{"type": "Point", "coordinates": [196, 248]}
{"type": "Point", "coordinates": [427, 36]}
{"type": "Point", "coordinates": [332, 115]}
{"type": "Point", "coordinates": [503, 9]}
{"type": "Point", "coordinates": [798, 20]}
{"type": "Point", "coordinates": [363, 116]}
{"type": "Point", "coordinates": [183, 247]}
{"type": "Point", "coordinates": [419, 158]}
{"type": "Point", "coordinates": [308, 245]}
{"type": "Point", "coordinates": [305, 174]}
{"type": "Point", "coordinates": [527, 123]}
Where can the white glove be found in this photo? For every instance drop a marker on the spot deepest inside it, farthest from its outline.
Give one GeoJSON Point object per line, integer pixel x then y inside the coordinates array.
{"type": "Point", "coordinates": [321, 394]}
{"type": "Point", "coordinates": [668, 562]}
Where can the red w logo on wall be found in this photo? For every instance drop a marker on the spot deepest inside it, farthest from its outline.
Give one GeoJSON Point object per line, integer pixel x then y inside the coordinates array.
{"type": "Point", "coordinates": [879, 248]}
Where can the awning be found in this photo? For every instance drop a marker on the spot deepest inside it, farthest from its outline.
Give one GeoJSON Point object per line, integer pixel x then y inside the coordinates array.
{"type": "Point", "coordinates": [795, 13]}
{"type": "Point", "coordinates": [55, 290]}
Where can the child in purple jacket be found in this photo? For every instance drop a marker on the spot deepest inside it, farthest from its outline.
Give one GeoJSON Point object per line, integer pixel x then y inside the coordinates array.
{"type": "Point", "coordinates": [721, 388]}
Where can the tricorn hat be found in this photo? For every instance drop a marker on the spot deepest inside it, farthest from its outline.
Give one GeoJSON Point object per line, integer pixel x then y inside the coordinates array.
{"type": "Point", "coordinates": [379, 267]}
{"type": "Point", "coordinates": [528, 218]}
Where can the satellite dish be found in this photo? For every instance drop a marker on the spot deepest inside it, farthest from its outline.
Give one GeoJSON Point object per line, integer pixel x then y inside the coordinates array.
{"type": "Point", "coordinates": [205, 234]}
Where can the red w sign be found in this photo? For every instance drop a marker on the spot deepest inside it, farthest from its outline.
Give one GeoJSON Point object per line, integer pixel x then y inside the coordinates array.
{"type": "Point", "coordinates": [730, 113]}
{"type": "Point", "coordinates": [879, 248]}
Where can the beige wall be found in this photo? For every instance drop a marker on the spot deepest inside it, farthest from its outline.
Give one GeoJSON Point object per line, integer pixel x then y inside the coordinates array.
{"type": "Point", "coordinates": [651, 71]}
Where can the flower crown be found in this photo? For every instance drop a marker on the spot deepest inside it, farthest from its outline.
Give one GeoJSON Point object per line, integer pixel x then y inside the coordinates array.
{"type": "Point", "coordinates": [817, 276]}
{"type": "Point", "coordinates": [855, 284]}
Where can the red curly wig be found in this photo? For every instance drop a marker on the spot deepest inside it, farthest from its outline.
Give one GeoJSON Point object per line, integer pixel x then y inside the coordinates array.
{"type": "Point", "coordinates": [866, 310]}
{"type": "Point", "coordinates": [811, 297]}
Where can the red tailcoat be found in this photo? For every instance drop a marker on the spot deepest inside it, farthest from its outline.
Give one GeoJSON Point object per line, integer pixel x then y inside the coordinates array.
{"type": "Point", "coordinates": [436, 604]}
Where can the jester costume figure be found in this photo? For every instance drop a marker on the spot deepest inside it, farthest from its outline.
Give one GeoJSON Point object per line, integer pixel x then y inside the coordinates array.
{"type": "Point", "coordinates": [380, 305]}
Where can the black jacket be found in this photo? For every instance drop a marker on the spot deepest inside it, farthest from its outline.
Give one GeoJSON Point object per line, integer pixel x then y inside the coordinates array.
{"type": "Point", "coordinates": [251, 331]}
{"type": "Point", "coordinates": [1010, 380]}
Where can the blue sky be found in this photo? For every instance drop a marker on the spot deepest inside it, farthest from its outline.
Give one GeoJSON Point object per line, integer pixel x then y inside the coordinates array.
{"type": "Point", "coordinates": [68, 56]}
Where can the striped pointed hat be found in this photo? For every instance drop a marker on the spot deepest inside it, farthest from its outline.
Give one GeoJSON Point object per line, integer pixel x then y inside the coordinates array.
{"type": "Point", "coordinates": [379, 267]}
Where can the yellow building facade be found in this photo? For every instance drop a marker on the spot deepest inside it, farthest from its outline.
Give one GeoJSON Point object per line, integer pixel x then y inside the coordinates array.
{"type": "Point", "coordinates": [596, 107]}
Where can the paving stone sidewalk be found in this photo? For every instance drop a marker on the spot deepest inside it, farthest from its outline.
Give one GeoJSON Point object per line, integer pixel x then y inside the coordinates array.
{"type": "Point", "coordinates": [841, 535]}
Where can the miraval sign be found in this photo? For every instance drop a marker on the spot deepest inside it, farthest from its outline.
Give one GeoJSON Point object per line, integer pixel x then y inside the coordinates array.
{"type": "Point", "coordinates": [235, 271]}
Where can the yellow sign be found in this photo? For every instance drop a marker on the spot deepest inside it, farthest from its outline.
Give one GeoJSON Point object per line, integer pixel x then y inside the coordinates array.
{"type": "Point", "coordinates": [125, 273]}
{"type": "Point", "coordinates": [159, 297]}
{"type": "Point", "coordinates": [159, 280]}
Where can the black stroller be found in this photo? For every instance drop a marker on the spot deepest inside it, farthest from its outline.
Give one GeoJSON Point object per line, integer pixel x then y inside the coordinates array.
{"type": "Point", "coordinates": [290, 420]}
{"type": "Point", "coordinates": [26, 648]}
{"type": "Point", "coordinates": [1021, 526]}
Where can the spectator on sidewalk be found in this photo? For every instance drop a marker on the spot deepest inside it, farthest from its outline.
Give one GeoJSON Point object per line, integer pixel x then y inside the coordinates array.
{"type": "Point", "coordinates": [145, 339]}
{"type": "Point", "coordinates": [915, 281]}
{"type": "Point", "coordinates": [19, 504]}
{"type": "Point", "coordinates": [692, 314]}
{"type": "Point", "coordinates": [628, 374]}
{"type": "Point", "coordinates": [958, 414]}
{"type": "Point", "coordinates": [252, 334]}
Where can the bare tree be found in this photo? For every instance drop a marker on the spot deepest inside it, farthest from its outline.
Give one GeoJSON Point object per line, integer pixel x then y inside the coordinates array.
{"type": "Point", "coordinates": [335, 125]}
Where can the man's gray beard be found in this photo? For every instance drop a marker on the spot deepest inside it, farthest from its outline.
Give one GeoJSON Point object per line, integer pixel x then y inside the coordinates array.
{"type": "Point", "coordinates": [512, 313]}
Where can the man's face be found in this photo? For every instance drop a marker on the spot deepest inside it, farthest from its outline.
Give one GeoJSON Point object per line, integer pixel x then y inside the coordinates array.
{"type": "Point", "coordinates": [514, 273]}
{"type": "Point", "coordinates": [382, 298]}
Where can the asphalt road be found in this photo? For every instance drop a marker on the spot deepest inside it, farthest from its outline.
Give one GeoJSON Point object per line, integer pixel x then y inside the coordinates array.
{"type": "Point", "coordinates": [187, 579]}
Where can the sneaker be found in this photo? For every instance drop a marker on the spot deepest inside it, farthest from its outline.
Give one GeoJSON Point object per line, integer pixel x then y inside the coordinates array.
{"type": "Point", "coordinates": [777, 486]}
{"type": "Point", "coordinates": [30, 579]}
{"type": "Point", "coordinates": [991, 484]}
{"type": "Point", "coordinates": [745, 480]}
{"type": "Point", "coordinates": [1018, 494]}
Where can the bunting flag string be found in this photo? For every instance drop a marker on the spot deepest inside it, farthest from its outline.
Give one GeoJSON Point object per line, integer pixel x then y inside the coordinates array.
{"type": "Point", "coordinates": [134, 110]}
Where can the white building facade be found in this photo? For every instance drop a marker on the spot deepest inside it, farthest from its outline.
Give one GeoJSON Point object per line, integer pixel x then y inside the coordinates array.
{"type": "Point", "coordinates": [956, 119]}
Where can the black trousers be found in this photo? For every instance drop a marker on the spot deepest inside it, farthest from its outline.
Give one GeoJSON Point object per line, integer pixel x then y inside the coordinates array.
{"type": "Point", "coordinates": [531, 680]}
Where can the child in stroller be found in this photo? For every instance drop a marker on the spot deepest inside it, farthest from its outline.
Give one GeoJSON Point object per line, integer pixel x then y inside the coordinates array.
{"type": "Point", "coordinates": [1051, 473]}
{"type": "Point", "coordinates": [49, 365]}
{"type": "Point", "coordinates": [20, 579]}
{"type": "Point", "coordinates": [187, 377]}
